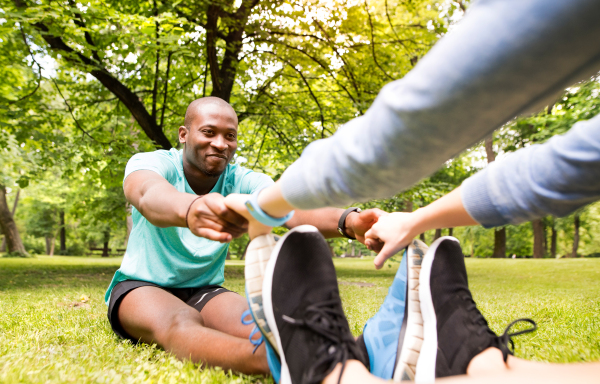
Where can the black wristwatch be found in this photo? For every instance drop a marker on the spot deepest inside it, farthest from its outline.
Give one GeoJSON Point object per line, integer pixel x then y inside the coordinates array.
{"type": "Point", "coordinates": [342, 223]}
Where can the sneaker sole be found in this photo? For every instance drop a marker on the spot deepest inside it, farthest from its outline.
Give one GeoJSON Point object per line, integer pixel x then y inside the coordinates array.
{"type": "Point", "coordinates": [427, 358]}
{"type": "Point", "coordinates": [411, 335]}
{"type": "Point", "coordinates": [257, 256]}
{"type": "Point", "coordinates": [285, 377]}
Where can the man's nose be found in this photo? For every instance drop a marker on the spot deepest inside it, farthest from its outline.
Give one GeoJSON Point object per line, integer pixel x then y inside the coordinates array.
{"type": "Point", "coordinates": [219, 143]}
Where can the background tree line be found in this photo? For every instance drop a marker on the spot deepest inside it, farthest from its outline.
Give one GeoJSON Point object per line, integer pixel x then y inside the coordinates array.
{"type": "Point", "coordinates": [87, 85]}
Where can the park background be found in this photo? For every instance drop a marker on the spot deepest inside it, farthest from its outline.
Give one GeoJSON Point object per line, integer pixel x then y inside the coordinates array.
{"type": "Point", "coordinates": [85, 85]}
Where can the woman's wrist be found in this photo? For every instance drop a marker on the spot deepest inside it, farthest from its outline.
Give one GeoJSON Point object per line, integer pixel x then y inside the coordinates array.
{"type": "Point", "coordinates": [271, 201]}
{"type": "Point", "coordinates": [446, 212]}
{"type": "Point", "coordinates": [422, 219]}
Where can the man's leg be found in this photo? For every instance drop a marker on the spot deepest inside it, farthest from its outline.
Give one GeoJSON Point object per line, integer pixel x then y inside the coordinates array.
{"type": "Point", "coordinates": [214, 337]}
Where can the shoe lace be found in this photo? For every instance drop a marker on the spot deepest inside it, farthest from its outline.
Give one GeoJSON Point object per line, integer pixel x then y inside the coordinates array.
{"type": "Point", "coordinates": [506, 338]}
{"type": "Point", "coordinates": [327, 320]}
{"type": "Point", "coordinates": [255, 330]}
{"type": "Point", "coordinates": [476, 315]}
{"type": "Point", "coordinates": [506, 344]}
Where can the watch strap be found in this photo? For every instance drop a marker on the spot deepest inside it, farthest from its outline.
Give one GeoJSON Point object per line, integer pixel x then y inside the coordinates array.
{"type": "Point", "coordinates": [342, 222]}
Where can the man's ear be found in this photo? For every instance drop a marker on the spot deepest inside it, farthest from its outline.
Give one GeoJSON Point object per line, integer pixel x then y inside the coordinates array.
{"type": "Point", "coordinates": [183, 133]}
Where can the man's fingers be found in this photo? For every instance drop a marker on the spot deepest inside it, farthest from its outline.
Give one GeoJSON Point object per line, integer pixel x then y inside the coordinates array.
{"type": "Point", "coordinates": [216, 204]}
{"type": "Point", "coordinates": [374, 245]}
{"type": "Point", "coordinates": [386, 252]}
{"type": "Point", "coordinates": [233, 218]}
{"type": "Point", "coordinates": [371, 215]}
{"type": "Point", "coordinates": [211, 234]}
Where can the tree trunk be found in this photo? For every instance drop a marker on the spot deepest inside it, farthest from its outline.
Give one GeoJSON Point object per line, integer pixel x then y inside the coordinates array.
{"type": "Point", "coordinates": [14, 209]}
{"type": "Point", "coordinates": [576, 222]}
{"type": "Point", "coordinates": [438, 234]}
{"type": "Point", "coordinates": [129, 221]}
{"type": "Point", "coordinates": [450, 231]}
{"type": "Point", "coordinates": [63, 233]}
{"type": "Point", "coordinates": [545, 231]}
{"type": "Point", "coordinates": [245, 249]}
{"type": "Point", "coordinates": [538, 238]}
{"type": "Point", "coordinates": [52, 243]}
{"type": "Point", "coordinates": [408, 206]}
{"type": "Point", "coordinates": [489, 149]}
{"type": "Point", "coordinates": [48, 242]}
{"type": "Point", "coordinates": [553, 241]}
{"type": "Point", "coordinates": [9, 227]}
{"type": "Point", "coordinates": [106, 239]}
{"type": "Point", "coordinates": [499, 235]}
{"type": "Point", "coordinates": [422, 237]}
{"type": "Point", "coordinates": [499, 243]}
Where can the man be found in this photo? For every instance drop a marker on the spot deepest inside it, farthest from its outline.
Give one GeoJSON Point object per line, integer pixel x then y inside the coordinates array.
{"type": "Point", "coordinates": [167, 290]}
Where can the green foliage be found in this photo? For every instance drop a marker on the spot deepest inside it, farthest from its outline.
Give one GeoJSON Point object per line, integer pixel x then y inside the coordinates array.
{"type": "Point", "coordinates": [301, 71]}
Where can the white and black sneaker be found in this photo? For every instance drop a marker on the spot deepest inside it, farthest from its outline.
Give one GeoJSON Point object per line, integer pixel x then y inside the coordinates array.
{"type": "Point", "coordinates": [257, 256]}
{"type": "Point", "coordinates": [453, 328]}
{"type": "Point", "coordinates": [303, 309]}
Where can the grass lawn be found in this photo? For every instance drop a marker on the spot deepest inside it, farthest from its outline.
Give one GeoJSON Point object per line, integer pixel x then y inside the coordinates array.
{"type": "Point", "coordinates": [48, 335]}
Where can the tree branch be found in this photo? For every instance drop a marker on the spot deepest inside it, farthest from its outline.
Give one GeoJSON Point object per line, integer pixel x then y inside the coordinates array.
{"type": "Point", "coordinates": [162, 115]}
{"type": "Point", "coordinates": [373, 42]}
{"type": "Point", "coordinates": [73, 116]}
{"type": "Point", "coordinates": [127, 97]}
{"type": "Point", "coordinates": [39, 82]}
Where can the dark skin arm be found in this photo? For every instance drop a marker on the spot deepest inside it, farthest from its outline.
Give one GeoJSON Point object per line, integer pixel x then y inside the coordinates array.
{"type": "Point", "coordinates": [162, 205]}
{"type": "Point", "coordinates": [326, 221]}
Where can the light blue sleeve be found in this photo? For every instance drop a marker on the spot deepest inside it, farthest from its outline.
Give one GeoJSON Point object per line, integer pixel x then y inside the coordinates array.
{"type": "Point", "coordinates": [161, 162]}
{"type": "Point", "coordinates": [504, 59]}
{"type": "Point", "coordinates": [251, 181]}
{"type": "Point", "coordinates": [553, 178]}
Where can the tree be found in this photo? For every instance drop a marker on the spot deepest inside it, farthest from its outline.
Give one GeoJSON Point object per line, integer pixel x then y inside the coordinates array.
{"type": "Point", "coordinates": [538, 238]}
{"type": "Point", "coordinates": [14, 210]}
{"type": "Point", "coordinates": [11, 159]}
{"type": "Point", "coordinates": [499, 233]}
{"type": "Point", "coordinates": [576, 225]}
{"type": "Point", "coordinates": [289, 67]}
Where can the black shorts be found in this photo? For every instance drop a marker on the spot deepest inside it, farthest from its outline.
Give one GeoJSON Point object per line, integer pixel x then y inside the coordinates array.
{"type": "Point", "coordinates": [194, 297]}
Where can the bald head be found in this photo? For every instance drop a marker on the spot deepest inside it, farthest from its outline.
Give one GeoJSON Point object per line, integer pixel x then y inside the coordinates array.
{"type": "Point", "coordinates": [197, 106]}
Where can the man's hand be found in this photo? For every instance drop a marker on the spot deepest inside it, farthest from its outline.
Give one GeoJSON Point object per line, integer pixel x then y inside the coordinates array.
{"type": "Point", "coordinates": [395, 231]}
{"type": "Point", "coordinates": [357, 224]}
{"type": "Point", "coordinates": [236, 202]}
{"type": "Point", "coordinates": [211, 218]}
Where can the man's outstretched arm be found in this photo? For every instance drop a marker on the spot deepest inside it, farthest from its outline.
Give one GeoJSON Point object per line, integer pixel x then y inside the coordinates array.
{"type": "Point", "coordinates": [326, 221]}
{"type": "Point", "coordinates": [162, 205]}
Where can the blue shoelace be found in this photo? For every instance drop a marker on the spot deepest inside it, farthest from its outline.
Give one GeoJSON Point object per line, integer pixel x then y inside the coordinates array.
{"type": "Point", "coordinates": [255, 342]}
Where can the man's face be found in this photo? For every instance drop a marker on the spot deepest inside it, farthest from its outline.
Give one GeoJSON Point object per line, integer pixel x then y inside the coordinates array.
{"type": "Point", "coordinates": [211, 139]}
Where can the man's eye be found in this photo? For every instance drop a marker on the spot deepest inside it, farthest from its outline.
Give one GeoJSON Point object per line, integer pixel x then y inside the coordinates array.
{"type": "Point", "coordinates": [208, 132]}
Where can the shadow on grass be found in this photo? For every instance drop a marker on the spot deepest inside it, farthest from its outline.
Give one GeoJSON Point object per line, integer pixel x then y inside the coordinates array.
{"type": "Point", "coordinates": [31, 274]}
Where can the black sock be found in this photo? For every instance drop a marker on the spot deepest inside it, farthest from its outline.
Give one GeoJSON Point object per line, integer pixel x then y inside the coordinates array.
{"type": "Point", "coordinates": [363, 347]}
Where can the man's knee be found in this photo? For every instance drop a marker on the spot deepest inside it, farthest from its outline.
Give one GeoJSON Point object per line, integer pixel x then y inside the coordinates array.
{"type": "Point", "coordinates": [180, 322]}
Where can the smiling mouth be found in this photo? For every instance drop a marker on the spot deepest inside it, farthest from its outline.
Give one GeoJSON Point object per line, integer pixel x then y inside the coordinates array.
{"type": "Point", "coordinates": [219, 156]}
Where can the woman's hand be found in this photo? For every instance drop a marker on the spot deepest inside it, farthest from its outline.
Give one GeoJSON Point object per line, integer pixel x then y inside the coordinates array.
{"type": "Point", "coordinates": [237, 203]}
{"type": "Point", "coordinates": [395, 230]}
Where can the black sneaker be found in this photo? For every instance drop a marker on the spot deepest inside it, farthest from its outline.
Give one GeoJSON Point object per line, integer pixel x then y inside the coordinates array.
{"type": "Point", "coordinates": [303, 309]}
{"type": "Point", "coordinates": [453, 328]}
